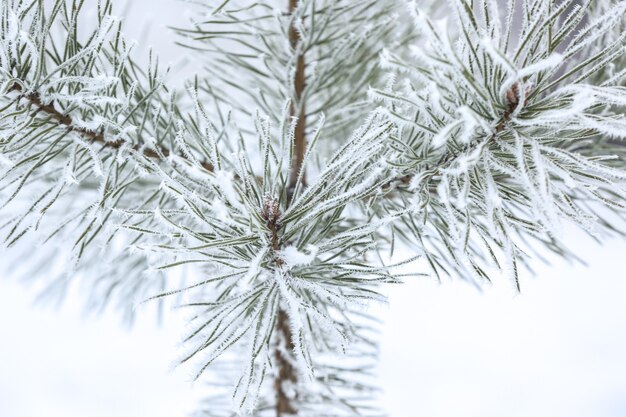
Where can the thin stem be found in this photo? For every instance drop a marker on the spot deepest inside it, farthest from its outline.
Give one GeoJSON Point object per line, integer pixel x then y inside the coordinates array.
{"type": "Point", "coordinates": [448, 159]}
{"type": "Point", "coordinates": [62, 119]}
{"type": "Point", "coordinates": [298, 106]}
{"type": "Point", "coordinates": [286, 371]}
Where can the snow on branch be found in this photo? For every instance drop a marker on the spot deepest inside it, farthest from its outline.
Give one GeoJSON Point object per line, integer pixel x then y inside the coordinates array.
{"type": "Point", "coordinates": [507, 135]}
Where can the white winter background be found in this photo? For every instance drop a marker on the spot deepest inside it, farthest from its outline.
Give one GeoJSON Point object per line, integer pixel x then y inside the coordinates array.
{"type": "Point", "coordinates": [558, 349]}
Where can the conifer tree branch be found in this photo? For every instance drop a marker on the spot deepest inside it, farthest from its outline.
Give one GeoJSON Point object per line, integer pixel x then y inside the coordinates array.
{"type": "Point", "coordinates": [448, 159]}
{"type": "Point", "coordinates": [298, 108]}
{"type": "Point", "coordinates": [64, 120]}
{"type": "Point", "coordinates": [286, 371]}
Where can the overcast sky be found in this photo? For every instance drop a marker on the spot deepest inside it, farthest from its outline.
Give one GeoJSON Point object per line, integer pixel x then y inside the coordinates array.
{"type": "Point", "coordinates": [558, 349]}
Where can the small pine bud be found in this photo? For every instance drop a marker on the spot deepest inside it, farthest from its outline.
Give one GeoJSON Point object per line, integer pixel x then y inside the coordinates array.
{"type": "Point", "coordinates": [271, 209]}
{"type": "Point", "coordinates": [513, 95]}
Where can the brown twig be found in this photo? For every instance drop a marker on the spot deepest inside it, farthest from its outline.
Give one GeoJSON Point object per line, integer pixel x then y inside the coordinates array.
{"type": "Point", "coordinates": [95, 137]}
{"type": "Point", "coordinates": [286, 371]}
{"type": "Point", "coordinates": [512, 96]}
{"type": "Point", "coordinates": [298, 107]}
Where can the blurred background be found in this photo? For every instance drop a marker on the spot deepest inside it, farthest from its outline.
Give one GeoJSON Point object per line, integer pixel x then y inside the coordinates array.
{"type": "Point", "coordinates": [557, 349]}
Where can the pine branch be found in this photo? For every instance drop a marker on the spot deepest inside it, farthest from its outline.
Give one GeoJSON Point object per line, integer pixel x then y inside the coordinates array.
{"type": "Point", "coordinates": [286, 371]}
{"type": "Point", "coordinates": [65, 120]}
{"type": "Point", "coordinates": [298, 107]}
{"type": "Point", "coordinates": [505, 129]}
{"type": "Point", "coordinates": [448, 159]}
